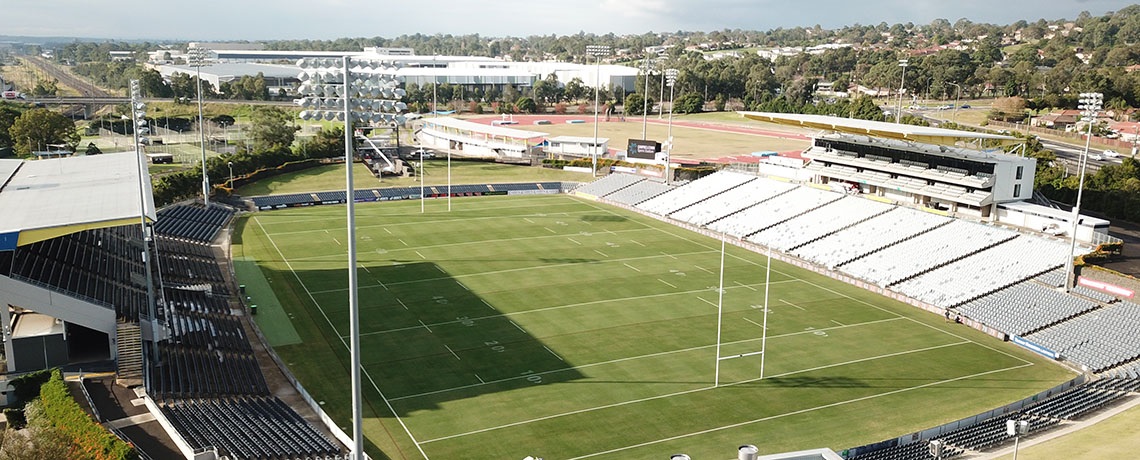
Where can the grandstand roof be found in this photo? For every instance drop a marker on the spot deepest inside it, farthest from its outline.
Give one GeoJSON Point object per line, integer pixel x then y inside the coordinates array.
{"type": "Point", "coordinates": [924, 134]}
{"type": "Point", "coordinates": [498, 131]}
{"type": "Point", "coordinates": [44, 199]}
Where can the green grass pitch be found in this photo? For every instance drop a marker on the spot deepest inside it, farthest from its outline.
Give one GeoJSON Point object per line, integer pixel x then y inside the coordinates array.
{"type": "Point", "coordinates": [563, 328]}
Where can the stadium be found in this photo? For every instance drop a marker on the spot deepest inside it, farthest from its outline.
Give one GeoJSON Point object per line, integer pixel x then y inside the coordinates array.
{"type": "Point", "coordinates": [893, 299]}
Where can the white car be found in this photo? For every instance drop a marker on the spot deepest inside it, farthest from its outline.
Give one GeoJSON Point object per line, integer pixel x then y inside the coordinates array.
{"type": "Point", "coordinates": [1096, 156]}
{"type": "Point", "coordinates": [1111, 154]}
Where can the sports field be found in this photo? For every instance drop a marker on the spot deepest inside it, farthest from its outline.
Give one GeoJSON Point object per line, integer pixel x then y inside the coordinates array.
{"type": "Point", "coordinates": [563, 328]}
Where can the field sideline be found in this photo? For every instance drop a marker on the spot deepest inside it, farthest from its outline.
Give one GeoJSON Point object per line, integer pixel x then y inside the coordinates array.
{"type": "Point", "coordinates": [558, 327]}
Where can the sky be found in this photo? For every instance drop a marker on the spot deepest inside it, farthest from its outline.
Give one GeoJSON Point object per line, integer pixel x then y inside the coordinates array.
{"type": "Point", "coordinates": [212, 20]}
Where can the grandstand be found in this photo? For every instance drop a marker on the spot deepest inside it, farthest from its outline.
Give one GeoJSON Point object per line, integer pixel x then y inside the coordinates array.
{"type": "Point", "coordinates": [73, 257]}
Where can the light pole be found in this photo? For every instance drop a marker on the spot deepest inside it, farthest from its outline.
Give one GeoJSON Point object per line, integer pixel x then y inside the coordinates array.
{"type": "Point", "coordinates": [902, 63]}
{"type": "Point", "coordinates": [197, 56]}
{"type": "Point", "coordinates": [334, 90]}
{"type": "Point", "coordinates": [1017, 429]}
{"type": "Point", "coordinates": [1090, 104]}
{"type": "Point", "coordinates": [670, 80]}
{"type": "Point", "coordinates": [597, 51]}
{"type": "Point", "coordinates": [138, 120]}
{"type": "Point", "coordinates": [230, 164]}
{"type": "Point", "coordinates": [645, 98]}
{"type": "Point", "coordinates": [957, 99]}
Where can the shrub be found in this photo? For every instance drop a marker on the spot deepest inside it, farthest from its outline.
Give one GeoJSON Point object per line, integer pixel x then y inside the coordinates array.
{"type": "Point", "coordinates": [89, 439]}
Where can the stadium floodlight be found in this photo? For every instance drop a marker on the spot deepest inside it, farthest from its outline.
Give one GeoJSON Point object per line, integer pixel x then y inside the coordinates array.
{"type": "Point", "coordinates": [343, 89]}
{"type": "Point", "coordinates": [936, 448]}
{"type": "Point", "coordinates": [670, 80]}
{"type": "Point", "coordinates": [1017, 429]}
{"type": "Point", "coordinates": [138, 112]}
{"type": "Point", "coordinates": [597, 51]}
{"type": "Point", "coordinates": [197, 56]}
{"type": "Point", "coordinates": [1090, 104]}
{"type": "Point", "coordinates": [902, 63]}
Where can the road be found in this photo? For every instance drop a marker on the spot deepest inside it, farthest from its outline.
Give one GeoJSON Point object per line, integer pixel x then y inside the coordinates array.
{"type": "Point", "coordinates": [1070, 154]}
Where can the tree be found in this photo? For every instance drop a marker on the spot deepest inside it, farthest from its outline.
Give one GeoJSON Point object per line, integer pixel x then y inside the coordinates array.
{"type": "Point", "coordinates": [37, 128]}
{"type": "Point", "coordinates": [635, 102]}
{"type": "Point", "coordinates": [526, 105]}
{"type": "Point", "coordinates": [864, 108]}
{"type": "Point", "coordinates": [45, 88]}
{"type": "Point", "coordinates": [8, 116]}
{"type": "Point", "coordinates": [223, 120]}
{"type": "Point", "coordinates": [689, 103]}
{"type": "Point", "coordinates": [270, 128]}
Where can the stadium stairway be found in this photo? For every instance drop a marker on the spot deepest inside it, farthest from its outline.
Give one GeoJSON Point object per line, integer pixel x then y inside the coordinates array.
{"type": "Point", "coordinates": [128, 348]}
{"type": "Point", "coordinates": [845, 227]}
{"type": "Point", "coordinates": [916, 235]}
{"type": "Point", "coordinates": [963, 256]}
{"type": "Point", "coordinates": [837, 198]}
{"type": "Point", "coordinates": [773, 197]}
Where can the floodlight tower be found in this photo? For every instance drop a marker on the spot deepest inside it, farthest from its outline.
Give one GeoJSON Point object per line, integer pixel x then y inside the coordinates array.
{"type": "Point", "coordinates": [138, 125]}
{"type": "Point", "coordinates": [597, 51]}
{"type": "Point", "coordinates": [1090, 104]}
{"type": "Point", "coordinates": [348, 90]}
{"type": "Point", "coordinates": [902, 63]}
{"type": "Point", "coordinates": [1017, 429]}
{"type": "Point", "coordinates": [197, 56]}
{"type": "Point", "coordinates": [670, 81]}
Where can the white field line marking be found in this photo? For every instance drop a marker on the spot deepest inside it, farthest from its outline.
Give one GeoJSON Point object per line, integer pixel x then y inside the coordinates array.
{"type": "Point", "coordinates": [365, 267]}
{"type": "Point", "coordinates": [633, 358]}
{"type": "Point", "coordinates": [363, 371]}
{"type": "Point", "coordinates": [667, 283]}
{"type": "Point", "coordinates": [785, 302]}
{"type": "Point", "coordinates": [671, 256]}
{"type": "Point", "coordinates": [702, 299]}
{"type": "Point", "coordinates": [389, 231]}
{"type": "Point", "coordinates": [556, 307]}
{"type": "Point", "coordinates": [635, 242]}
{"type": "Point", "coordinates": [549, 230]}
{"type": "Point", "coordinates": [553, 353]}
{"type": "Point", "coordinates": [314, 215]}
{"type": "Point", "coordinates": [696, 390]}
{"type": "Point", "coordinates": [337, 242]}
{"type": "Point", "coordinates": [452, 352]}
{"type": "Point", "coordinates": [402, 304]}
{"type": "Point", "coordinates": [401, 240]}
{"type": "Point", "coordinates": [528, 220]}
{"type": "Point", "coordinates": [586, 222]}
{"type": "Point", "coordinates": [461, 285]}
{"type": "Point", "coordinates": [837, 322]}
{"type": "Point", "coordinates": [833, 291]}
{"type": "Point", "coordinates": [426, 327]}
{"type": "Point", "coordinates": [390, 224]}
{"type": "Point", "coordinates": [511, 270]}
{"type": "Point", "coordinates": [761, 326]}
{"type": "Point", "coordinates": [487, 304]}
{"type": "Point", "coordinates": [801, 411]}
{"type": "Point", "coordinates": [381, 283]}
{"type": "Point", "coordinates": [572, 240]}
{"type": "Point", "coordinates": [602, 253]}
{"type": "Point", "coordinates": [703, 269]}
{"type": "Point", "coordinates": [745, 285]}
{"type": "Point", "coordinates": [437, 267]}
{"type": "Point", "coordinates": [421, 255]}
{"type": "Point", "coordinates": [463, 243]}
{"type": "Point", "coordinates": [631, 267]}
{"type": "Point", "coordinates": [480, 378]}
{"type": "Point", "coordinates": [517, 326]}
